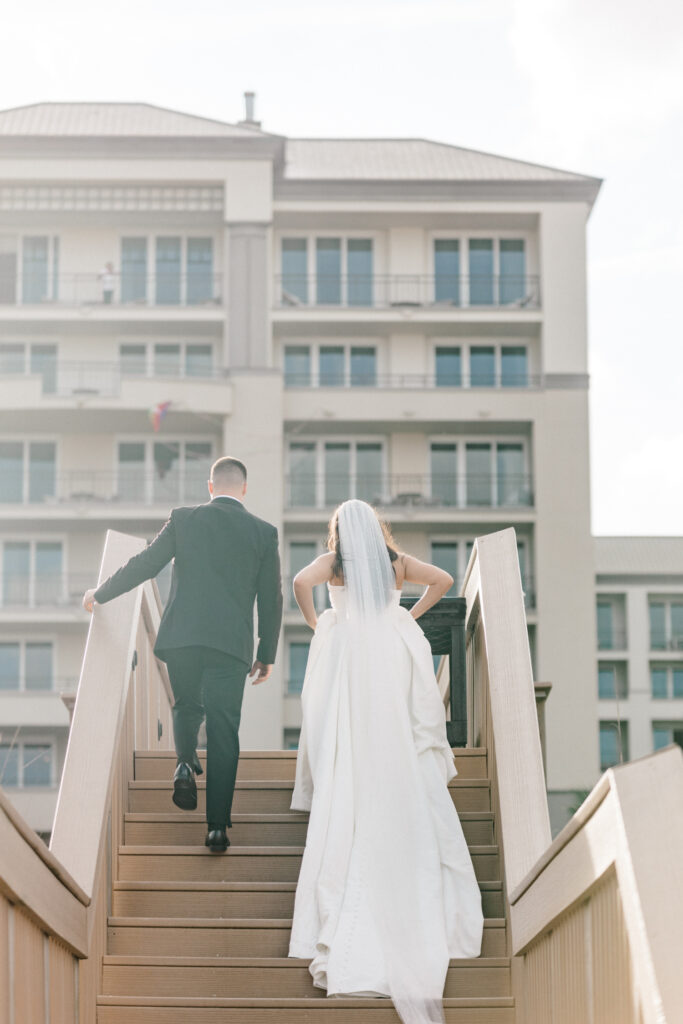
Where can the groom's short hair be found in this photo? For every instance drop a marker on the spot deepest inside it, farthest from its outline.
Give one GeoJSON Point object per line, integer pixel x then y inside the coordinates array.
{"type": "Point", "coordinates": [227, 470]}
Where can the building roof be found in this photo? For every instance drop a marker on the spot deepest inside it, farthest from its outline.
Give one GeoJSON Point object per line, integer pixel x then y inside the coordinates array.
{"type": "Point", "coordinates": [406, 159]}
{"type": "Point", "coordinates": [638, 556]}
{"type": "Point", "coordinates": [113, 119]}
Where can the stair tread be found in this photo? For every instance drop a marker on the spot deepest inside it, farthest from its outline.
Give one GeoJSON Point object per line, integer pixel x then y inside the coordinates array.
{"type": "Point", "coordinates": [134, 960]}
{"type": "Point", "coordinates": [234, 922]}
{"type": "Point", "coordinates": [143, 885]}
{"type": "Point", "coordinates": [287, 754]}
{"type": "Point", "coordinates": [247, 851]}
{"type": "Point", "coordinates": [266, 817]}
{"type": "Point", "coordinates": [290, 1003]}
{"type": "Point", "coordinates": [165, 784]}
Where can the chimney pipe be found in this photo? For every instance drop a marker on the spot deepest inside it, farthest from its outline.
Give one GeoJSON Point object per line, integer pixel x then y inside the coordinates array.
{"type": "Point", "coordinates": [249, 121]}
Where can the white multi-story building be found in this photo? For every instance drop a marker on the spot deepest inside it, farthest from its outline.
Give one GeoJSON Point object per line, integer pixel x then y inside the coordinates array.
{"type": "Point", "coordinates": [639, 582]}
{"type": "Point", "coordinates": [400, 320]}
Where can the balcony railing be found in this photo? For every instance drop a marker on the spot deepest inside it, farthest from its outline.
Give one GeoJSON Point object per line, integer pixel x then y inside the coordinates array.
{"type": "Point", "coordinates": [131, 288]}
{"type": "Point", "coordinates": [417, 381]}
{"type": "Point", "coordinates": [666, 642]}
{"type": "Point", "coordinates": [128, 486]}
{"type": "Point", "coordinates": [411, 491]}
{"type": "Point", "coordinates": [65, 378]}
{"type": "Point", "coordinates": [386, 291]}
{"type": "Point", "coordinates": [44, 590]}
{"type": "Point", "coordinates": [614, 640]}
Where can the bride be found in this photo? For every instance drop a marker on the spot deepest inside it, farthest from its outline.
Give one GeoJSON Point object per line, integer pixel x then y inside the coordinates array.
{"type": "Point", "coordinates": [387, 891]}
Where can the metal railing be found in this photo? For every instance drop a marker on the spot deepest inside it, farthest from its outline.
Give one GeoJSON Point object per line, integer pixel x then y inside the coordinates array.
{"type": "Point", "coordinates": [125, 487]}
{"type": "Point", "coordinates": [125, 288]}
{"type": "Point", "coordinates": [418, 381]}
{"type": "Point", "coordinates": [666, 642]}
{"type": "Point", "coordinates": [43, 590]}
{"type": "Point", "coordinates": [384, 291]}
{"type": "Point", "coordinates": [614, 640]}
{"type": "Point", "coordinates": [410, 491]}
{"type": "Point", "coordinates": [67, 378]}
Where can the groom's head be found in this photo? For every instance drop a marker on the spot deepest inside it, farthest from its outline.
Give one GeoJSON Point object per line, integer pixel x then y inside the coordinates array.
{"type": "Point", "coordinates": [228, 476]}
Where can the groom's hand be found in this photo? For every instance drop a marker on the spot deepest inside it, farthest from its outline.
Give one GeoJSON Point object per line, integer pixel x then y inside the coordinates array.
{"type": "Point", "coordinates": [89, 599]}
{"type": "Point", "coordinates": [262, 670]}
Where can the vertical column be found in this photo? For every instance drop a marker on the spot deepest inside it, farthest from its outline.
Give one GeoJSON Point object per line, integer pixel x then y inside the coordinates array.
{"type": "Point", "coordinates": [247, 295]}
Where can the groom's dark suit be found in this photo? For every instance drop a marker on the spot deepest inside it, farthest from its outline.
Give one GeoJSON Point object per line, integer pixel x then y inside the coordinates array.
{"type": "Point", "coordinates": [224, 559]}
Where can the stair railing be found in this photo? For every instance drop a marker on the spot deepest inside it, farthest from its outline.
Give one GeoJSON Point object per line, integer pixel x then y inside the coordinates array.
{"type": "Point", "coordinates": [595, 915]}
{"type": "Point", "coordinates": [54, 903]}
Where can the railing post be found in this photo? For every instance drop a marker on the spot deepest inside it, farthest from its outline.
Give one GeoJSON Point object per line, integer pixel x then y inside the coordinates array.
{"type": "Point", "coordinates": [444, 627]}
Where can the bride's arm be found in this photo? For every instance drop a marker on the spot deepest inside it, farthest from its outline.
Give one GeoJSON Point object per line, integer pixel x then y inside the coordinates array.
{"type": "Point", "coordinates": [437, 581]}
{"type": "Point", "coordinates": [317, 572]}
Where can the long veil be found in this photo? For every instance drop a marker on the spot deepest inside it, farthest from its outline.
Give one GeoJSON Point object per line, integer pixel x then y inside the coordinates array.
{"type": "Point", "coordinates": [384, 780]}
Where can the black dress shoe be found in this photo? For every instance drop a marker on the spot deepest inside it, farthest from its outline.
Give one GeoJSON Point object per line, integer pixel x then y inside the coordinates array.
{"type": "Point", "coordinates": [217, 840]}
{"type": "Point", "coordinates": [184, 788]}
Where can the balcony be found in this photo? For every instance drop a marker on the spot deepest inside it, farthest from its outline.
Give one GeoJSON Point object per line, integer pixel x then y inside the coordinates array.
{"type": "Point", "coordinates": [129, 292]}
{"type": "Point", "coordinates": [411, 492]}
{"type": "Point", "coordinates": [666, 642]}
{"type": "Point", "coordinates": [408, 291]}
{"type": "Point", "coordinates": [417, 381]}
{"type": "Point", "coordinates": [127, 492]}
{"type": "Point", "coordinates": [44, 591]}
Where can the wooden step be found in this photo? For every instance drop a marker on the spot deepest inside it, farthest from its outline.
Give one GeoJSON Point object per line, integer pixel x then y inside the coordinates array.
{"type": "Point", "coordinates": [287, 829]}
{"type": "Point", "coordinates": [275, 796]}
{"type": "Point", "coordinates": [281, 764]}
{"type": "Point", "coordinates": [245, 863]}
{"type": "Point", "coordinates": [246, 937]}
{"type": "Point", "coordinates": [235, 899]}
{"type": "Point", "coordinates": [242, 977]}
{"type": "Point", "coordinates": [184, 1010]}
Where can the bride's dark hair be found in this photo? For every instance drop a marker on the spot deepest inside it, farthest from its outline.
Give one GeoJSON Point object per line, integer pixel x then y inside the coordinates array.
{"type": "Point", "coordinates": [334, 545]}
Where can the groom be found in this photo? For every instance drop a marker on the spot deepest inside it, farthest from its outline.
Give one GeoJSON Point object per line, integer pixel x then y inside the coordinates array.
{"type": "Point", "coordinates": [224, 559]}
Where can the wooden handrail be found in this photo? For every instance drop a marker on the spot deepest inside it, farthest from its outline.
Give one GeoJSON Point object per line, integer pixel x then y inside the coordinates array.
{"type": "Point", "coordinates": [596, 914]}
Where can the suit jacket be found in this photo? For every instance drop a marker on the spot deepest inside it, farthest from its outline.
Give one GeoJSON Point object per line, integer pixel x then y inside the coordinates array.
{"type": "Point", "coordinates": [224, 559]}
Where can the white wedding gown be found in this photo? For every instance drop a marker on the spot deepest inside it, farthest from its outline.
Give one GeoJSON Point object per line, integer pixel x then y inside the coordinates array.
{"type": "Point", "coordinates": [387, 891]}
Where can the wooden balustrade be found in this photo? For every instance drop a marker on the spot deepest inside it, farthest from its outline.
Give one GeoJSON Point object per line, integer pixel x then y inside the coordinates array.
{"type": "Point", "coordinates": [54, 903]}
{"type": "Point", "coordinates": [596, 915]}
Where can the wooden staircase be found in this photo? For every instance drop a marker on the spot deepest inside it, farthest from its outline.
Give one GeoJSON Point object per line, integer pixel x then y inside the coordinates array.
{"type": "Point", "coordinates": [198, 938]}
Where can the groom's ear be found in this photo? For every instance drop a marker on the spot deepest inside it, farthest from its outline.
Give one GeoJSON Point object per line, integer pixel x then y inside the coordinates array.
{"type": "Point", "coordinates": [210, 483]}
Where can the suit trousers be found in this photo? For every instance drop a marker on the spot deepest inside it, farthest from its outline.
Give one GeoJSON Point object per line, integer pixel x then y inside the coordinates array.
{"type": "Point", "coordinates": [208, 682]}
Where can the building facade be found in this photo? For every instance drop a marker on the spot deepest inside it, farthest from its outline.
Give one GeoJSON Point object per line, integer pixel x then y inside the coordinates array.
{"type": "Point", "coordinates": [639, 607]}
{"type": "Point", "coordinates": [398, 320]}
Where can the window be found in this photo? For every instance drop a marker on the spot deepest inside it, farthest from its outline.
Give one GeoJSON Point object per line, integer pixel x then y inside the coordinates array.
{"type": "Point", "coordinates": [26, 665]}
{"type": "Point", "coordinates": [294, 270]}
{"type": "Point", "coordinates": [133, 270]}
{"type": "Point", "coordinates": [447, 270]}
{"type": "Point", "coordinates": [513, 366]}
{"type": "Point", "coordinates": [664, 733]}
{"type": "Point", "coordinates": [512, 270]}
{"type": "Point", "coordinates": [198, 360]}
{"type": "Point", "coordinates": [482, 366]}
{"type": "Point", "coordinates": [666, 681]}
{"type": "Point", "coordinates": [296, 665]}
{"type": "Point", "coordinates": [291, 739]}
{"type": "Point", "coordinates": [199, 270]}
{"type": "Point", "coordinates": [612, 680]}
{"type": "Point", "coordinates": [448, 367]}
{"type": "Point", "coordinates": [326, 473]}
{"type": "Point", "coordinates": [165, 359]}
{"type": "Point", "coordinates": [481, 271]}
{"type": "Point", "coordinates": [363, 366]}
{"type": "Point", "coordinates": [666, 623]}
{"type": "Point", "coordinates": [614, 746]}
{"type": "Point", "coordinates": [297, 366]}
{"type": "Point", "coordinates": [35, 268]}
{"type": "Point", "coordinates": [133, 360]}
{"type": "Point", "coordinates": [331, 366]}
{"type": "Point", "coordinates": [168, 270]}
{"type": "Point", "coordinates": [605, 626]}
{"type": "Point", "coordinates": [479, 474]}
{"type": "Point", "coordinates": [26, 764]}
{"type": "Point", "coordinates": [27, 471]}
{"type": "Point", "coordinates": [43, 364]}
{"type": "Point", "coordinates": [31, 573]}
{"type": "Point", "coordinates": [445, 556]}
{"type": "Point", "coordinates": [164, 471]}
{"type": "Point", "coordinates": [344, 271]}
{"type": "Point", "coordinates": [511, 479]}
{"type": "Point", "coordinates": [301, 554]}
{"type": "Point", "coordinates": [444, 473]}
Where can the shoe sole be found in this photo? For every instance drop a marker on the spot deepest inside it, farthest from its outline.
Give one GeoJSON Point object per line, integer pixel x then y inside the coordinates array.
{"type": "Point", "coordinates": [185, 795]}
{"type": "Point", "coordinates": [215, 848]}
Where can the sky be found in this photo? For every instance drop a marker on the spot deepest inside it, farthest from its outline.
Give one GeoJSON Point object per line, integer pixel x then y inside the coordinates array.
{"type": "Point", "coordinates": [594, 86]}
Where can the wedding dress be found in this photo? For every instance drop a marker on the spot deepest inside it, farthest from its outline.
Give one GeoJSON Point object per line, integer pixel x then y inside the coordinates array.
{"type": "Point", "coordinates": [387, 891]}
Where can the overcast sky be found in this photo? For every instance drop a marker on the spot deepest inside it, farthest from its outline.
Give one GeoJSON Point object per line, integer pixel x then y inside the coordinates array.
{"type": "Point", "coordinates": [594, 86]}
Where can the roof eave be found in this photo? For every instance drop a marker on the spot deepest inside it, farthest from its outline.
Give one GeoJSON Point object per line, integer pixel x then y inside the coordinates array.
{"type": "Point", "coordinates": [580, 190]}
